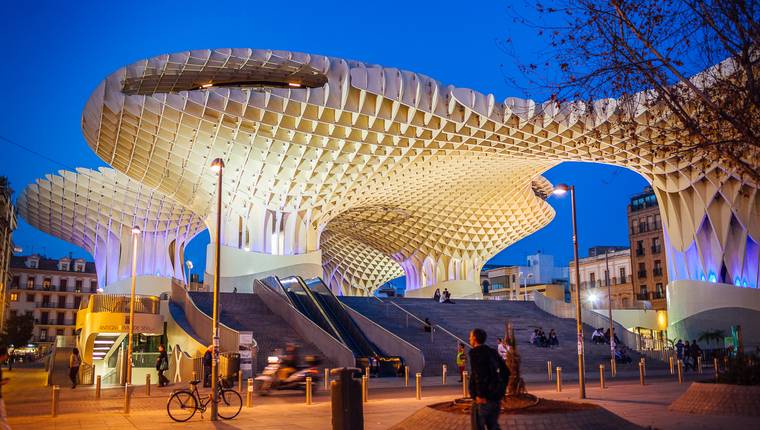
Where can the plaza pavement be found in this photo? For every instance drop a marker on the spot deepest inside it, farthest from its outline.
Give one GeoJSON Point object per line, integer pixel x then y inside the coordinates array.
{"type": "Point", "coordinates": [28, 405]}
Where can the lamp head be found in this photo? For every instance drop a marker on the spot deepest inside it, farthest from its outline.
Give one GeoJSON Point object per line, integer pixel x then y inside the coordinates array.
{"type": "Point", "coordinates": [217, 165]}
{"type": "Point", "coordinates": [561, 189]}
{"type": "Point", "coordinates": [189, 264]}
{"type": "Point", "coordinates": [592, 297]}
{"type": "Point", "coordinates": [136, 230]}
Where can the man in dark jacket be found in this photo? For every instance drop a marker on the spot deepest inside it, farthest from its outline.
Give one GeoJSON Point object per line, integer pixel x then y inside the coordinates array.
{"type": "Point", "coordinates": [488, 382]}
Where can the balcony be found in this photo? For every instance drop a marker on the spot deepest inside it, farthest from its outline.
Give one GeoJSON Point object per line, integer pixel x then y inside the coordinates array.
{"type": "Point", "coordinates": [658, 295]}
{"type": "Point", "coordinates": [49, 305]}
{"type": "Point", "coordinates": [642, 296]}
{"type": "Point", "coordinates": [656, 249]}
{"type": "Point", "coordinates": [657, 271]}
{"type": "Point", "coordinates": [642, 274]}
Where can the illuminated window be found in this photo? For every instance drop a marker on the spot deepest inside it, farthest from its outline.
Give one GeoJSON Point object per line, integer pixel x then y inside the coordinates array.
{"type": "Point", "coordinates": [14, 297]}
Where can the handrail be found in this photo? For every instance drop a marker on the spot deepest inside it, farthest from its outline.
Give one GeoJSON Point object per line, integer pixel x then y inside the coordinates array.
{"type": "Point", "coordinates": [432, 326]}
{"type": "Point", "coordinates": [409, 313]}
{"type": "Point", "coordinates": [452, 335]}
{"type": "Point", "coordinates": [378, 298]}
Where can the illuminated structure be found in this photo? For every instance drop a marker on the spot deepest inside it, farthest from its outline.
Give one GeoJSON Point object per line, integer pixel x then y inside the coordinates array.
{"type": "Point", "coordinates": [358, 172]}
{"type": "Point", "coordinates": [96, 210]}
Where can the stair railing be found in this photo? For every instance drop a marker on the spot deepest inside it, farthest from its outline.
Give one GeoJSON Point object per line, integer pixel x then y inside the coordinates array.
{"type": "Point", "coordinates": [424, 324]}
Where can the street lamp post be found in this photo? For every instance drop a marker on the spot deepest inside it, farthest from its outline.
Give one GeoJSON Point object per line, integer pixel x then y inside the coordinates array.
{"type": "Point", "coordinates": [135, 235]}
{"type": "Point", "coordinates": [609, 305]}
{"type": "Point", "coordinates": [189, 265]}
{"type": "Point", "coordinates": [525, 287]}
{"type": "Point", "coordinates": [561, 189]}
{"type": "Point", "coordinates": [217, 166]}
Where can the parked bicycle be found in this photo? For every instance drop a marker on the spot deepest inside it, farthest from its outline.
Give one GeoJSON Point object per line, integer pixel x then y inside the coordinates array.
{"type": "Point", "coordinates": [183, 403]}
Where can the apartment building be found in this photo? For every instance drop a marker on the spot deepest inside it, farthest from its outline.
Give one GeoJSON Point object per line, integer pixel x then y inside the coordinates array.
{"type": "Point", "coordinates": [605, 265]}
{"type": "Point", "coordinates": [7, 225]}
{"type": "Point", "coordinates": [647, 239]}
{"type": "Point", "coordinates": [51, 290]}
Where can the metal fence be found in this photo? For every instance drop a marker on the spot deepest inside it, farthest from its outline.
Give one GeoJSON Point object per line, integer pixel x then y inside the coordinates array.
{"type": "Point", "coordinates": [120, 304]}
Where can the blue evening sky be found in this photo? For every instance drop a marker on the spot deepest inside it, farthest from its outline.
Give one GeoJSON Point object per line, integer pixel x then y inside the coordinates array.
{"type": "Point", "coordinates": [55, 53]}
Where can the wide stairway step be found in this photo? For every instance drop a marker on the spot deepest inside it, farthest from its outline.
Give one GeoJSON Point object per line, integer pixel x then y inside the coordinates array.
{"type": "Point", "coordinates": [491, 316]}
{"type": "Point", "coordinates": [247, 312]}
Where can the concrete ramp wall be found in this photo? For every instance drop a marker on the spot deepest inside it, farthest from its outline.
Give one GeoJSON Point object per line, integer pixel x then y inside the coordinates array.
{"type": "Point", "coordinates": [334, 350]}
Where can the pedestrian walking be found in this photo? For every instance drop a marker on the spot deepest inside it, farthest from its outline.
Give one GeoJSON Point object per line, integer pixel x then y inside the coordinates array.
{"type": "Point", "coordinates": [208, 358]}
{"type": "Point", "coordinates": [488, 382]}
{"type": "Point", "coordinates": [461, 360]}
{"type": "Point", "coordinates": [3, 416]}
{"type": "Point", "coordinates": [162, 365]}
{"type": "Point", "coordinates": [74, 362]}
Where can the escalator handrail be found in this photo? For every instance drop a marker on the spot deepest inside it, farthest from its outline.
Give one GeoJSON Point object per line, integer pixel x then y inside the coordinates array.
{"type": "Point", "coordinates": [330, 326]}
{"type": "Point", "coordinates": [353, 344]}
{"type": "Point", "coordinates": [359, 338]}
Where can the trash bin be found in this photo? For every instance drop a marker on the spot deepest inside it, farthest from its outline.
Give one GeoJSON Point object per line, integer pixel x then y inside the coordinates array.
{"type": "Point", "coordinates": [229, 365]}
{"type": "Point", "coordinates": [346, 396]}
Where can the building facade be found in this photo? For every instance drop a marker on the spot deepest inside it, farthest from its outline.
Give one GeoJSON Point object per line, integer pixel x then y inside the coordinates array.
{"type": "Point", "coordinates": [51, 290]}
{"type": "Point", "coordinates": [542, 270]}
{"type": "Point", "coordinates": [648, 263]}
{"type": "Point", "coordinates": [613, 266]}
{"type": "Point", "coordinates": [7, 225]}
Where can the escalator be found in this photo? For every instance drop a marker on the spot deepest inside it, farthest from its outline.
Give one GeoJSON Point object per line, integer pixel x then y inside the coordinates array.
{"type": "Point", "coordinates": [315, 300]}
{"type": "Point", "coordinates": [355, 337]}
{"type": "Point", "coordinates": [301, 298]}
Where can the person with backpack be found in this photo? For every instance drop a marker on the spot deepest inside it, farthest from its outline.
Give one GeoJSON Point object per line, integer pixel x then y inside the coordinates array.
{"type": "Point", "coordinates": [162, 365]}
{"type": "Point", "coordinates": [488, 382]}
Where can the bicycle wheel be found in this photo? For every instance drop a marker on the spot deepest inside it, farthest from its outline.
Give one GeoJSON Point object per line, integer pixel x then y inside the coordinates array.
{"type": "Point", "coordinates": [229, 404]}
{"type": "Point", "coordinates": [181, 406]}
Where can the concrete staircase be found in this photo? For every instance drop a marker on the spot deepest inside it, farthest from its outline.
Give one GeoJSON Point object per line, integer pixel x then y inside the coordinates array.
{"type": "Point", "coordinates": [247, 312]}
{"type": "Point", "coordinates": [461, 317]}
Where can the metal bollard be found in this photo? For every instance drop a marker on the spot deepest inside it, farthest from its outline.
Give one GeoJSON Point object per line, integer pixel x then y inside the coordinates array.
{"type": "Point", "coordinates": [249, 395]}
{"type": "Point", "coordinates": [147, 385]}
{"type": "Point", "coordinates": [443, 375]}
{"type": "Point", "coordinates": [549, 369]}
{"type": "Point", "coordinates": [601, 376]}
{"type": "Point", "coordinates": [406, 376]}
{"type": "Point", "coordinates": [364, 389]}
{"type": "Point", "coordinates": [559, 379]}
{"type": "Point", "coordinates": [240, 382]}
{"type": "Point", "coordinates": [97, 387]}
{"type": "Point", "coordinates": [613, 367]}
{"type": "Point", "coordinates": [699, 364]}
{"type": "Point", "coordinates": [308, 390]}
{"type": "Point", "coordinates": [418, 385]}
{"type": "Point", "coordinates": [644, 365]}
{"type": "Point", "coordinates": [680, 371]}
{"type": "Point", "coordinates": [195, 375]}
{"type": "Point", "coordinates": [327, 378]}
{"type": "Point", "coordinates": [366, 371]}
{"type": "Point", "coordinates": [56, 397]}
{"type": "Point", "coordinates": [641, 373]}
{"type": "Point", "coordinates": [670, 361]}
{"type": "Point", "coordinates": [465, 378]}
{"type": "Point", "coordinates": [715, 366]}
{"type": "Point", "coordinates": [127, 398]}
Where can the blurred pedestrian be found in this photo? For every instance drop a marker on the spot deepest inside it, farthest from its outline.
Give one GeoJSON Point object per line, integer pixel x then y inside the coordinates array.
{"type": "Point", "coordinates": [3, 416]}
{"type": "Point", "coordinates": [74, 362]}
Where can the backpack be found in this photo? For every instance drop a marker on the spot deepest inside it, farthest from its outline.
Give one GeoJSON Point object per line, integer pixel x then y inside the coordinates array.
{"type": "Point", "coordinates": [499, 376]}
